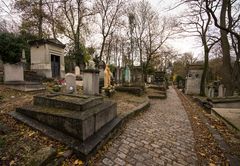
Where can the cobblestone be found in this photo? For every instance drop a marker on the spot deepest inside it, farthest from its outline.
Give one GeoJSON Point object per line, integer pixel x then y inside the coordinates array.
{"type": "Point", "coordinates": [161, 135]}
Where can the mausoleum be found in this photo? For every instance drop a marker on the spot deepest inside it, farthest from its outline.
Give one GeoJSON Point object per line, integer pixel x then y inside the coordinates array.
{"type": "Point", "coordinates": [47, 58]}
{"type": "Point", "coordinates": [193, 80]}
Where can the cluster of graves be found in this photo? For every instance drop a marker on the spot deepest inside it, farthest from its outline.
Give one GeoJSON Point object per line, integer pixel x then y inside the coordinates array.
{"type": "Point", "coordinates": [80, 121]}
{"type": "Point", "coordinates": [225, 107]}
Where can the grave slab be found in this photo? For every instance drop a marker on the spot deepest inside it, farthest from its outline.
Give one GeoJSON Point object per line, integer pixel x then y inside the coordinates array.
{"type": "Point", "coordinates": [229, 115]}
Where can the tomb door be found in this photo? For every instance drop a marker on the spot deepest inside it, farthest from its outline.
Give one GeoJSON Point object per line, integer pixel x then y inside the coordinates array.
{"type": "Point", "coordinates": [55, 64]}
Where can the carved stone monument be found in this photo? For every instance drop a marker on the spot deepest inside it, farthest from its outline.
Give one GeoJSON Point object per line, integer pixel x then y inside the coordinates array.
{"type": "Point", "coordinates": [91, 82]}
{"type": "Point", "coordinates": [127, 75]}
{"type": "Point", "coordinates": [13, 72]}
{"type": "Point", "coordinates": [77, 70]}
{"type": "Point", "coordinates": [107, 77]}
{"type": "Point", "coordinates": [47, 58]}
{"type": "Point", "coordinates": [221, 91]}
{"type": "Point", "coordinates": [193, 80]}
{"type": "Point", "coordinates": [70, 83]}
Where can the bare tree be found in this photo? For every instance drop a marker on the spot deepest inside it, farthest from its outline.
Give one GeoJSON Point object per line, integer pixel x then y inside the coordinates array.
{"type": "Point", "coordinates": [228, 23]}
{"type": "Point", "coordinates": [199, 23]}
{"type": "Point", "coordinates": [75, 12]}
{"type": "Point", "coordinates": [109, 12]}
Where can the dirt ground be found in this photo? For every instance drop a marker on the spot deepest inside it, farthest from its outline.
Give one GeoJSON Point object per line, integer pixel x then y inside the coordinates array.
{"type": "Point", "coordinates": [18, 141]}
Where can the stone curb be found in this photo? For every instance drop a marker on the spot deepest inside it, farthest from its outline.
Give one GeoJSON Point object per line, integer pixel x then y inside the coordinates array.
{"type": "Point", "coordinates": [136, 110]}
{"type": "Point", "coordinates": [224, 120]}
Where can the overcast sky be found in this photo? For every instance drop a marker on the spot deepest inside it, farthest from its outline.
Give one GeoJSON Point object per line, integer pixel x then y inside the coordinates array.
{"type": "Point", "coordinates": [181, 44]}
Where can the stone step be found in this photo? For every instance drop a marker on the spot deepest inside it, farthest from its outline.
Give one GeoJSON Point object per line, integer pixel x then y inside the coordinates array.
{"type": "Point", "coordinates": [79, 124]}
{"type": "Point", "coordinates": [70, 102]}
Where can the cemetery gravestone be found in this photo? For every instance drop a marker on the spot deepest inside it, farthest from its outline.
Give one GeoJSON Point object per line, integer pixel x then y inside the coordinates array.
{"type": "Point", "coordinates": [70, 83]}
{"type": "Point", "coordinates": [127, 75]}
{"type": "Point", "coordinates": [13, 72]}
{"type": "Point", "coordinates": [193, 80]}
{"type": "Point", "coordinates": [91, 82]}
{"type": "Point", "coordinates": [88, 120]}
{"type": "Point", "coordinates": [221, 91]}
{"type": "Point", "coordinates": [77, 70]}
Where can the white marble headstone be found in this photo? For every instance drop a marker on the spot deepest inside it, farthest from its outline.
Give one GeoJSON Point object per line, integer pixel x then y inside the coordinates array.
{"type": "Point", "coordinates": [77, 70]}
{"type": "Point", "coordinates": [70, 82]}
{"type": "Point", "coordinates": [221, 90]}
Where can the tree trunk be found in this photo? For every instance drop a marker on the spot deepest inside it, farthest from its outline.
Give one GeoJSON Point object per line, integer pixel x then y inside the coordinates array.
{"type": "Point", "coordinates": [102, 48]}
{"type": "Point", "coordinates": [40, 20]}
{"type": "Point", "coordinates": [204, 75]}
{"type": "Point", "coordinates": [226, 68]}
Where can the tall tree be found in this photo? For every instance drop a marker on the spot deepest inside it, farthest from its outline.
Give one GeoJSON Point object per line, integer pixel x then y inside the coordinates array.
{"type": "Point", "coordinates": [75, 13]}
{"type": "Point", "coordinates": [199, 23]}
{"type": "Point", "coordinates": [228, 23]}
{"type": "Point", "coordinates": [109, 12]}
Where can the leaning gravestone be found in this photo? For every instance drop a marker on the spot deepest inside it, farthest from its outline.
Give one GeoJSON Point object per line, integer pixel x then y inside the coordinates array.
{"type": "Point", "coordinates": [70, 83]}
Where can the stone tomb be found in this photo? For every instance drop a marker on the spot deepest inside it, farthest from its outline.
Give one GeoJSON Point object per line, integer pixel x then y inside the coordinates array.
{"type": "Point", "coordinates": [83, 118]}
{"type": "Point", "coordinates": [193, 80]}
{"type": "Point", "coordinates": [47, 58]}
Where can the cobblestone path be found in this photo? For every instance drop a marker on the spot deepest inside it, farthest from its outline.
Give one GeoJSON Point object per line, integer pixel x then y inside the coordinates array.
{"type": "Point", "coordinates": [161, 135]}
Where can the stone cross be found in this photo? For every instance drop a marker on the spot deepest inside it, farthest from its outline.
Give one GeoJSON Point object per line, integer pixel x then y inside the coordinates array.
{"type": "Point", "coordinates": [70, 82]}
{"type": "Point", "coordinates": [107, 77]}
{"type": "Point", "coordinates": [127, 75]}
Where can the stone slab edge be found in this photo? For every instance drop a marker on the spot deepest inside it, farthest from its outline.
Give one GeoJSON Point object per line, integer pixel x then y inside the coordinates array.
{"type": "Point", "coordinates": [91, 145]}
{"type": "Point", "coordinates": [136, 110]}
{"type": "Point", "coordinates": [224, 120]}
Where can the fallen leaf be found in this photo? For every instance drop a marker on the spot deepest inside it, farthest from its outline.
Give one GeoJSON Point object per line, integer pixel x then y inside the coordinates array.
{"type": "Point", "coordinates": [78, 162]}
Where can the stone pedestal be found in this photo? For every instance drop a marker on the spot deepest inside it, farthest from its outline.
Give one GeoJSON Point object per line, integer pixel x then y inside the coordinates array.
{"type": "Point", "coordinates": [13, 72]}
{"type": "Point", "coordinates": [91, 82]}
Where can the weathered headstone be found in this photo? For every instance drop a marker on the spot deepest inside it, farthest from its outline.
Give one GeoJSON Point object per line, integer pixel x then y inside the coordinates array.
{"type": "Point", "coordinates": [118, 76]}
{"type": "Point", "coordinates": [149, 79]}
{"type": "Point", "coordinates": [127, 75]}
{"type": "Point", "coordinates": [107, 77]}
{"type": "Point", "coordinates": [70, 82]}
{"type": "Point", "coordinates": [13, 72]}
{"type": "Point", "coordinates": [91, 82]}
{"type": "Point", "coordinates": [77, 70]}
{"type": "Point", "coordinates": [221, 91]}
{"type": "Point", "coordinates": [91, 64]}
{"type": "Point", "coordinates": [211, 92]}
{"type": "Point", "coordinates": [193, 80]}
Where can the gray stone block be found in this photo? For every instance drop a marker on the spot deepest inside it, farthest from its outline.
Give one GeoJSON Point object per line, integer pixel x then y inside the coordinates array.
{"type": "Point", "coordinates": [70, 102]}
{"type": "Point", "coordinates": [79, 124]}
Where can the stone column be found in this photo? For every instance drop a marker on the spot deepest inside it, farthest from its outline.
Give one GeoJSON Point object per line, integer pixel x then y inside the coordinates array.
{"type": "Point", "coordinates": [91, 82]}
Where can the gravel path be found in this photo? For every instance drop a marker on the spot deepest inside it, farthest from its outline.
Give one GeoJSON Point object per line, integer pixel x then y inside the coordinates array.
{"type": "Point", "coordinates": [161, 135]}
